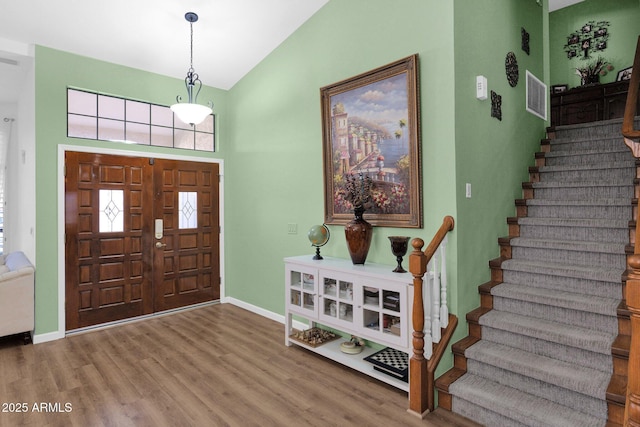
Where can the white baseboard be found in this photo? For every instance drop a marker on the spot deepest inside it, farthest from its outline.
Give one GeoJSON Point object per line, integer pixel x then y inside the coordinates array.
{"type": "Point", "coordinates": [264, 313]}
{"type": "Point", "coordinates": [255, 309]}
{"type": "Point", "coordinates": [52, 336]}
{"type": "Point", "coordinates": [49, 336]}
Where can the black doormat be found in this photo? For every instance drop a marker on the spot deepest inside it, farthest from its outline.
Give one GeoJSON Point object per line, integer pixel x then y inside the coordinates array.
{"type": "Point", "coordinates": [392, 362]}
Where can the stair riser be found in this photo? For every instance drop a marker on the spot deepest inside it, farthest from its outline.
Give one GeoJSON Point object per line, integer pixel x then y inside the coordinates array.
{"type": "Point", "coordinates": [586, 212]}
{"type": "Point", "coordinates": [609, 235]}
{"type": "Point", "coordinates": [598, 131]}
{"type": "Point", "coordinates": [569, 354]}
{"type": "Point", "coordinates": [587, 259]}
{"type": "Point", "coordinates": [581, 402]}
{"type": "Point", "coordinates": [569, 284]}
{"type": "Point", "coordinates": [584, 193]}
{"type": "Point", "coordinates": [622, 174]}
{"type": "Point", "coordinates": [587, 159]}
{"type": "Point", "coordinates": [582, 145]}
{"type": "Point", "coordinates": [481, 415]}
{"type": "Point", "coordinates": [593, 321]}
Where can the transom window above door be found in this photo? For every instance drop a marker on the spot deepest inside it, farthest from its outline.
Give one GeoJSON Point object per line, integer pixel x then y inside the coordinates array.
{"type": "Point", "coordinates": [91, 115]}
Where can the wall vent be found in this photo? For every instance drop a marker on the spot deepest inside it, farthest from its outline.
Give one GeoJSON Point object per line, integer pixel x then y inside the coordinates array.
{"type": "Point", "coordinates": [536, 96]}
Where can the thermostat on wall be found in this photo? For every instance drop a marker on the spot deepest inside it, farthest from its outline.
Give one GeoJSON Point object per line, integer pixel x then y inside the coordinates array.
{"type": "Point", "coordinates": [481, 87]}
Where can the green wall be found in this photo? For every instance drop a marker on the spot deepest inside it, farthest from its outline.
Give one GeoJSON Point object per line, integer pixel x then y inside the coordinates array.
{"type": "Point", "coordinates": [274, 166]}
{"type": "Point", "coordinates": [492, 155]}
{"type": "Point", "coordinates": [271, 140]}
{"type": "Point", "coordinates": [54, 72]}
{"type": "Point", "coordinates": [624, 28]}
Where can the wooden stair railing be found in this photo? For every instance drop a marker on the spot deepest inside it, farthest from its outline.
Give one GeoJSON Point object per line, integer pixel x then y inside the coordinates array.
{"type": "Point", "coordinates": [631, 135]}
{"type": "Point", "coordinates": [421, 370]}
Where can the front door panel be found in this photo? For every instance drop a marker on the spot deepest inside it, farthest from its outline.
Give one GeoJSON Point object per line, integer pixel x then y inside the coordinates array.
{"type": "Point", "coordinates": [120, 261]}
{"type": "Point", "coordinates": [186, 267]}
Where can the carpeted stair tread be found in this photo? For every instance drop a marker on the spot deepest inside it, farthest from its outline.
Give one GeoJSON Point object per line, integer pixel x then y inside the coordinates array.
{"type": "Point", "coordinates": [558, 269]}
{"type": "Point", "coordinates": [558, 298]}
{"type": "Point", "coordinates": [601, 165]}
{"type": "Point", "coordinates": [573, 222]}
{"type": "Point", "coordinates": [594, 230]}
{"type": "Point", "coordinates": [547, 330]}
{"type": "Point", "coordinates": [568, 245]}
{"type": "Point", "coordinates": [574, 377]}
{"type": "Point", "coordinates": [512, 404]}
{"type": "Point", "coordinates": [570, 144]}
{"type": "Point", "coordinates": [578, 401]}
{"type": "Point", "coordinates": [580, 184]}
{"type": "Point", "coordinates": [586, 157]}
{"type": "Point", "coordinates": [615, 149]}
{"type": "Point", "coordinates": [588, 358]}
{"type": "Point", "coordinates": [596, 202]}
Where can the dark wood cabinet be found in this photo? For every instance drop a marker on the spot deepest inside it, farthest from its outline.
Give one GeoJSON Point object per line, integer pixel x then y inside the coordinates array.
{"type": "Point", "coordinates": [589, 103]}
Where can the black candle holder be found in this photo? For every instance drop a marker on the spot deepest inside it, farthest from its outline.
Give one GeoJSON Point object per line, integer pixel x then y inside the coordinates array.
{"type": "Point", "coordinates": [399, 246]}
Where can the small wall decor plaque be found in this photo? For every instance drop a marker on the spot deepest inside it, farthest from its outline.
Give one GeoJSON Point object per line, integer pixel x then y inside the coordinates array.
{"type": "Point", "coordinates": [496, 106]}
{"type": "Point", "coordinates": [525, 40]}
{"type": "Point", "coordinates": [511, 69]}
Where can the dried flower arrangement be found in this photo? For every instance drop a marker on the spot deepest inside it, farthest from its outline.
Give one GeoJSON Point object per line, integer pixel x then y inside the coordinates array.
{"type": "Point", "coordinates": [591, 73]}
{"type": "Point", "coordinates": [359, 191]}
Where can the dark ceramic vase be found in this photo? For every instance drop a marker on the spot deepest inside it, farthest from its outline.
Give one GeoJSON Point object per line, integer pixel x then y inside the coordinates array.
{"type": "Point", "coordinates": [358, 233]}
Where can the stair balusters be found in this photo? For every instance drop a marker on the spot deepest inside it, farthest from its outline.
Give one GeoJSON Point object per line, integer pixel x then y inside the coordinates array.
{"type": "Point", "coordinates": [429, 312]}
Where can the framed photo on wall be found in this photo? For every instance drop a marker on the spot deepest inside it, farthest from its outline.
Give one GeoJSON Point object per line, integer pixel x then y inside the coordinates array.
{"type": "Point", "coordinates": [370, 128]}
{"type": "Point", "coordinates": [559, 88]}
{"type": "Point", "coordinates": [624, 74]}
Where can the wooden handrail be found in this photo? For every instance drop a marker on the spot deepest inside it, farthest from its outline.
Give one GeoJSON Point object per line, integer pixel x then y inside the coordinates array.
{"type": "Point", "coordinates": [632, 405]}
{"type": "Point", "coordinates": [632, 99]}
{"type": "Point", "coordinates": [421, 382]}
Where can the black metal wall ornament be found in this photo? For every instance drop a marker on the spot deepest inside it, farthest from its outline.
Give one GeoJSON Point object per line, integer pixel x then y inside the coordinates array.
{"type": "Point", "coordinates": [496, 106]}
{"type": "Point", "coordinates": [511, 69]}
{"type": "Point", "coordinates": [525, 40]}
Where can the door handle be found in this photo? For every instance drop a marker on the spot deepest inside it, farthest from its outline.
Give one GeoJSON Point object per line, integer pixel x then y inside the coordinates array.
{"type": "Point", "coordinates": [160, 245]}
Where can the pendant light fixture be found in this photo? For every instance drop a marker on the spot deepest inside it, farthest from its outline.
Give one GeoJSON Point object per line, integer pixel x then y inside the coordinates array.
{"type": "Point", "coordinates": [191, 112]}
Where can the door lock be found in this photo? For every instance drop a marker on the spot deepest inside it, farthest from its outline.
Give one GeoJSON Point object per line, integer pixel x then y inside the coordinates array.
{"type": "Point", "coordinates": [160, 245]}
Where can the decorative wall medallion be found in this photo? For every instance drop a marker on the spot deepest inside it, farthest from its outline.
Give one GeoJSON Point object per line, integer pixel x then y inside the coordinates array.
{"type": "Point", "coordinates": [525, 40]}
{"type": "Point", "coordinates": [590, 38]}
{"type": "Point", "coordinates": [496, 106]}
{"type": "Point", "coordinates": [511, 68]}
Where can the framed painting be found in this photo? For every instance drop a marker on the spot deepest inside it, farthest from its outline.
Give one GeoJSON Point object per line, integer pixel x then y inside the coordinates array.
{"type": "Point", "coordinates": [371, 129]}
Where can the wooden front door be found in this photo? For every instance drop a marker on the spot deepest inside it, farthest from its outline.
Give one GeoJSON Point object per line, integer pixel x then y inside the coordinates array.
{"type": "Point", "coordinates": [186, 263]}
{"type": "Point", "coordinates": [116, 267]}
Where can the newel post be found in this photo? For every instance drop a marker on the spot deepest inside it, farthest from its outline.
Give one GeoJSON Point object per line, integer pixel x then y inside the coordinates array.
{"type": "Point", "coordinates": [632, 408]}
{"type": "Point", "coordinates": [418, 388]}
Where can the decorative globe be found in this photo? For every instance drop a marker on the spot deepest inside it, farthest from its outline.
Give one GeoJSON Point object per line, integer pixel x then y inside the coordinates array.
{"type": "Point", "coordinates": [318, 236]}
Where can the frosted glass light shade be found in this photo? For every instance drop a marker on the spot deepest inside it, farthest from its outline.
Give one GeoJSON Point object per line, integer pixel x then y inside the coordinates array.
{"type": "Point", "coordinates": [194, 114]}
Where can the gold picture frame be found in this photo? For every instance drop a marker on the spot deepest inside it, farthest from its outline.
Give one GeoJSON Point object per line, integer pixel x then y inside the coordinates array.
{"type": "Point", "coordinates": [371, 127]}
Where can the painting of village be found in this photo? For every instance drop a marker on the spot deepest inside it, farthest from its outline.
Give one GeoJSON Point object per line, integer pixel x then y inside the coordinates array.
{"type": "Point", "coordinates": [371, 135]}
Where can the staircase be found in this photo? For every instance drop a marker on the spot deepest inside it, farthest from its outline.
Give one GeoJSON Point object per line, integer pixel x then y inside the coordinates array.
{"type": "Point", "coordinates": [549, 344]}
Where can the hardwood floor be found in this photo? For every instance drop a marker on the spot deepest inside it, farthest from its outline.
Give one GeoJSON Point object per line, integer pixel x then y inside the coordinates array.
{"type": "Point", "coordinates": [217, 365]}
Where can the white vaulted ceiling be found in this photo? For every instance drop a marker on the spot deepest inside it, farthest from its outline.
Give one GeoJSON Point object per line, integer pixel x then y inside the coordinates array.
{"type": "Point", "coordinates": [230, 37]}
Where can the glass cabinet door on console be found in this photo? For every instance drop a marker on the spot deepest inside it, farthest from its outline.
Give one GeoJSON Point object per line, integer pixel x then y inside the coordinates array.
{"type": "Point", "coordinates": [302, 286]}
{"type": "Point", "coordinates": [382, 306]}
{"type": "Point", "coordinates": [336, 299]}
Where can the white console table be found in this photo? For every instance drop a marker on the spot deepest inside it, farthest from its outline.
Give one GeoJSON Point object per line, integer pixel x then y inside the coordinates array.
{"type": "Point", "coordinates": [369, 301]}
